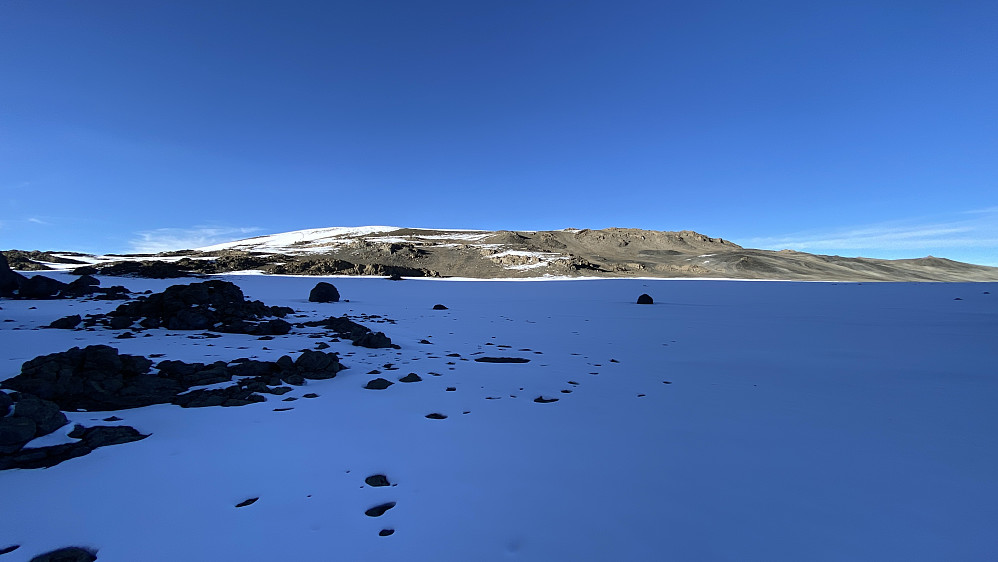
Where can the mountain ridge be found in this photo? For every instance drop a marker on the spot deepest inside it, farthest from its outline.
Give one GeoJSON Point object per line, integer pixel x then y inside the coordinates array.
{"type": "Point", "coordinates": [503, 254]}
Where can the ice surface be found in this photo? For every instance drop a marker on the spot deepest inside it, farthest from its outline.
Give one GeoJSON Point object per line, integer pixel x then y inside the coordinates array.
{"type": "Point", "coordinates": [804, 421]}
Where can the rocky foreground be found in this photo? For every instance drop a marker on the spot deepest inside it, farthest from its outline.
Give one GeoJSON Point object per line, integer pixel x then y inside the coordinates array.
{"type": "Point", "coordinates": [409, 252]}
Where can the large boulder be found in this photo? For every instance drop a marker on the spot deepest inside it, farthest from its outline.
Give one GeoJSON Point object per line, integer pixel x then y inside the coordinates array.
{"type": "Point", "coordinates": [9, 280]}
{"type": "Point", "coordinates": [645, 299]}
{"type": "Point", "coordinates": [324, 292]}
{"type": "Point", "coordinates": [32, 417]}
{"type": "Point", "coordinates": [40, 287]}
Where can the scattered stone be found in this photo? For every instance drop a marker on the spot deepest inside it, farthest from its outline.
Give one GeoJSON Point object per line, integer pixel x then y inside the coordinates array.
{"type": "Point", "coordinates": [68, 554]}
{"type": "Point", "coordinates": [502, 360]}
{"type": "Point", "coordinates": [411, 377]}
{"type": "Point", "coordinates": [645, 299]}
{"type": "Point", "coordinates": [112, 419]}
{"type": "Point", "coordinates": [436, 416]}
{"type": "Point", "coordinates": [543, 400]}
{"type": "Point", "coordinates": [9, 549]}
{"type": "Point", "coordinates": [666, 382]}
{"type": "Point", "coordinates": [66, 322]}
{"type": "Point", "coordinates": [322, 345]}
{"type": "Point", "coordinates": [379, 510]}
{"type": "Point", "coordinates": [377, 481]}
{"type": "Point", "coordinates": [324, 292]}
{"type": "Point", "coordinates": [425, 342]}
{"type": "Point", "coordinates": [386, 532]}
{"type": "Point", "coordinates": [309, 395]}
{"type": "Point", "coordinates": [360, 335]}
{"type": "Point", "coordinates": [246, 502]}
{"type": "Point", "coordinates": [450, 389]}
{"type": "Point", "coordinates": [282, 409]}
{"type": "Point", "coordinates": [378, 384]}
{"type": "Point", "coordinates": [439, 307]}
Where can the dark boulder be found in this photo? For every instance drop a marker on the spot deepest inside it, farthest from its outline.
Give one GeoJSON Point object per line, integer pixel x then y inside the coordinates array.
{"type": "Point", "coordinates": [14, 433]}
{"type": "Point", "coordinates": [360, 335]}
{"type": "Point", "coordinates": [9, 280]}
{"type": "Point", "coordinates": [645, 299]}
{"type": "Point", "coordinates": [374, 340]}
{"type": "Point", "coordinates": [411, 377]}
{"type": "Point", "coordinates": [502, 360]}
{"type": "Point", "coordinates": [66, 322]}
{"type": "Point", "coordinates": [439, 307]}
{"type": "Point", "coordinates": [324, 292]}
{"type": "Point", "coordinates": [378, 384]}
{"type": "Point", "coordinates": [5, 403]}
{"type": "Point", "coordinates": [377, 480]}
{"type": "Point", "coordinates": [45, 414]}
{"type": "Point", "coordinates": [40, 287]}
{"type": "Point", "coordinates": [318, 365]}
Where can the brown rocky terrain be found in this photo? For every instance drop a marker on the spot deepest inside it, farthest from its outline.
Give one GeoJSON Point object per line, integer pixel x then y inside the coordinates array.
{"type": "Point", "coordinates": [611, 252]}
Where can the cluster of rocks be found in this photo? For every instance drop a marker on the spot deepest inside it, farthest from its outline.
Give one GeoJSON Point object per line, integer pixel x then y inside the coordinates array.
{"type": "Point", "coordinates": [130, 268]}
{"type": "Point", "coordinates": [15, 285]}
{"type": "Point", "coordinates": [360, 335]}
{"type": "Point", "coordinates": [31, 417]}
{"type": "Point", "coordinates": [214, 305]}
{"type": "Point", "coordinates": [99, 378]}
{"type": "Point", "coordinates": [32, 260]}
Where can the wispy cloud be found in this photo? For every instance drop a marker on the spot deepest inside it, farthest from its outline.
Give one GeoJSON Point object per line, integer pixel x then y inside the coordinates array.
{"type": "Point", "coordinates": [167, 239]}
{"type": "Point", "coordinates": [36, 220]}
{"type": "Point", "coordinates": [972, 232]}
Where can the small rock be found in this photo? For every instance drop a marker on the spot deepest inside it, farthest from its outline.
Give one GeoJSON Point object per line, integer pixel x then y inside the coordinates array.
{"type": "Point", "coordinates": [543, 400]}
{"type": "Point", "coordinates": [310, 395]}
{"type": "Point", "coordinates": [502, 360]}
{"type": "Point", "coordinates": [378, 384]}
{"type": "Point", "coordinates": [244, 503]}
{"type": "Point", "coordinates": [386, 532]}
{"type": "Point", "coordinates": [436, 416]}
{"type": "Point", "coordinates": [439, 307]}
{"type": "Point", "coordinates": [377, 480]}
{"type": "Point", "coordinates": [379, 510]}
{"type": "Point", "coordinates": [645, 299]}
{"type": "Point", "coordinates": [411, 377]}
{"type": "Point", "coordinates": [68, 554]}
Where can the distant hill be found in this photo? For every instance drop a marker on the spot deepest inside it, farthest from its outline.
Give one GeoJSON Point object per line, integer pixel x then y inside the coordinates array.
{"type": "Point", "coordinates": [611, 252]}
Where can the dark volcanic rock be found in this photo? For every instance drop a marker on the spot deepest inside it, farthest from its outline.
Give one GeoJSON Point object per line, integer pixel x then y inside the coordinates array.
{"type": "Point", "coordinates": [386, 532]}
{"type": "Point", "coordinates": [378, 384]}
{"type": "Point", "coordinates": [360, 335]}
{"type": "Point", "coordinates": [150, 269]}
{"type": "Point", "coordinates": [45, 414]}
{"type": "Point", "coordinates": [93, 378]}
{"type": "Point", "coordinates": [249, 501]}
{"type": "Point", "coordinates": [14, 433]}
{"type": "Point", "coordinates": [317, 365]}
{"type": "Point", "coordinates": [9, 280]}
{"type": "Point", "coordinates": [436, 416]}
{"type": "Point", "coordinates": [68, 554]}
{"type": "Point", "coordinates": [543, 400]}
{"type": "Point", "coordinates": [379, 510]}
{"type": "Point", "coordinates": [324, 292]}
{"type": "Point", "coordinates": [211, 305]}
{"type": "Point", "coordinates": [377, 480]}
{"type": "Point", "coordinates": [90, 438]}
{"type": "Point", "coordinates": [439, 307]}
{"type": "Point", "coordinates": [40, 287]}
{"type": "Point", "coordinates": [645, 299]}
{"type": "Point", "coordinates": [66, 322]}
{"type": "Point", "coordinates": [5, 403]}
{"type": "Point", "coordinates": [411, 377]}
{"type": "Point", "coordinates": [502, 360]}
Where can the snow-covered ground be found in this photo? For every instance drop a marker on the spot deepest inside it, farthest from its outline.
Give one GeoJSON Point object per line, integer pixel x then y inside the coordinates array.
{"type": "Point", "coordinates": [801, 421]}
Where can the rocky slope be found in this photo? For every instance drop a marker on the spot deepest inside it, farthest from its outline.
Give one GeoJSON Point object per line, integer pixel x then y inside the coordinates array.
{"type": "Point", "coordinates": [412, 252]}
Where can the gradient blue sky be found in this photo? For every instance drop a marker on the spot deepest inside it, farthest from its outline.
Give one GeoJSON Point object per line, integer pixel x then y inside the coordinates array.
{"type": "Point", "coordinates": [851, 128]}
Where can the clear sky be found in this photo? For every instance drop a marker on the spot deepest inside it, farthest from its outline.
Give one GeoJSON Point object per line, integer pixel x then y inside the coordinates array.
{"type": "Point", "coordinates": [852, 128]}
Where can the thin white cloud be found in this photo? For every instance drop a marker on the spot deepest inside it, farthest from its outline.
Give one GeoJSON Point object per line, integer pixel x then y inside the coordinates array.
{"type": "Point", "coordinates": [974, 231]}
{"type": "Point", "coordinates": [168, 239]}
{"type": "Point", "coordinates": [37, 220]}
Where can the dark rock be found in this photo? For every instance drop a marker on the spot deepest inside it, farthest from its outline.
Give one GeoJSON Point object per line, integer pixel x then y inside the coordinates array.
{"type": "Point", "coordinates": [450, 389]}
{"type": "Point", "coordinates": [9, 280]}
{"type": "Point", "coordinates": [310, 395]}
{"type": "Point", "coordinates": [9, 549]}
{"type": "Point", "coordinates": [436, 416]}
{"type": "Point", "coordinates": [14, 433]}
{"type": "Point", "coordinates": [246, 502]}
{"type": "Point", "coordinates": [120, 322]}
{"type": "Point", "coordinates": [68, 554]}
{"type": "Point", "coordinates": [40, 287]}
{"type": "Point", "coordinates": [324, 292]}
{"type": "Point", "coordinates": [66, 322]}
{"type": "Point", "coordinates": [43, 413]}
{"type": "Point", "coordinates": [543, 400]}
{"type": "Point", "coordinates": [318, 365]}
{"type": "Point", "coordinates": [411, 377]}
{"type": "Point", "coordinates": [502, 360]}
{"type": "Point", "coordinates": [379, 510]}
{"type": "Point", "coordinates": [645, 299]}
{"type": "Point", "coordinates": [374, 340]}
{"type": "Point", "coordinates": [439, 307]}
{"type": "Point", "coordinates": [112, 419]}
{"type": "Point", "coordinates": [150, 269]}
{"type": "Point", "coordinates": [378, 384]}
{"type": "Point", "coordinates": [5, 403]}
{"type": "Point", "coordinates": [106, 435]}
{"type": "Point", "coordinates": [386, 532]}
{"type": "Point", "coordinates": [377, 480]}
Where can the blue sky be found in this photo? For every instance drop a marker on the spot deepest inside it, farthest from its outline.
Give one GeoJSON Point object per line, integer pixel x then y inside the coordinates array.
{"type": "Point", "coordinates": [851, 128]}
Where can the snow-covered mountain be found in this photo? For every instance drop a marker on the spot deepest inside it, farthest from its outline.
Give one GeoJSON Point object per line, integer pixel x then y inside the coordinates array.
{"type": "Point", "coordinates": [611, 252]}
